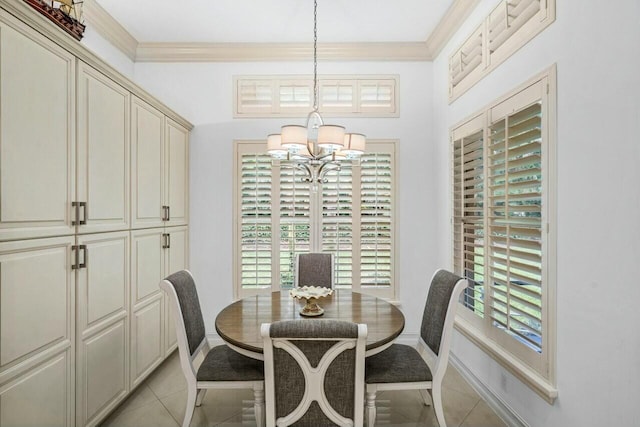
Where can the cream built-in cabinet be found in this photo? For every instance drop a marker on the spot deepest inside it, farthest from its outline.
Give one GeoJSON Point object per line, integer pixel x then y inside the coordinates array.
{"type": "Point", "coordinates": [102, 334]}
{"type": "Point", "coordinates": [37, 135]}
{"type": "Point", "coordinates": [93, 214]}
{"type": "Point", "coordinates": [37, 329]}
{"type": "Point", "coordinates": [156, 253]}
{"type": "Point", "coordinates": [160, 165]}
{"type": "Point", "coordinates": [103, 189]}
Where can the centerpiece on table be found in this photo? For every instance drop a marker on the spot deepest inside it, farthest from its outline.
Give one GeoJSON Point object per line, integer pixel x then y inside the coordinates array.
{"type": "Point", "coordinates": [311, 294]}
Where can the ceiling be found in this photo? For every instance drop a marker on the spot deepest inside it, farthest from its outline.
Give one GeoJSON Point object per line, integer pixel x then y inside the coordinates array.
{"type": "Point", "coordinates": [277, 21]}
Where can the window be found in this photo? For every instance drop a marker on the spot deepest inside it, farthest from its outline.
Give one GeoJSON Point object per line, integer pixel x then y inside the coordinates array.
{"type": "Point", "coordinates": [507, 28]}
{"type": "Point", "coordinates": [279, 216]}
{"type": "Point", "coordinates": [292, 96]}
{"type": "Point", "coordinates": [502, 227]}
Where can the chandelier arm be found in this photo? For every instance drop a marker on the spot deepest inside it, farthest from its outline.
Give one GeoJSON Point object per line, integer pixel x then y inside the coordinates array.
{"type": "Point", "coordinates": [306, 169]}
{"type": "Point", "coordinates": [331, 165]}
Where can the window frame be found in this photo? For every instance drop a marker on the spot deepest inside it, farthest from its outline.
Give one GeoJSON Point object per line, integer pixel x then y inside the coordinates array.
{"type": "Point", "coordinates": [538, 373]}
{"type": "Point", "coordinates": [242, 147]}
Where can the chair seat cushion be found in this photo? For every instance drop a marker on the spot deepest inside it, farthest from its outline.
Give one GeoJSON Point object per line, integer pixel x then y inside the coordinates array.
{"type": "Point", "coordinates": [224, 364]}
{"type": "Point", "coordinates": [397, 364]}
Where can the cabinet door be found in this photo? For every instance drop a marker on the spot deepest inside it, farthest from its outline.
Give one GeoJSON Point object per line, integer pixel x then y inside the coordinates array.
{"type": "Point", "coordinates": [37, 136]}
{"type": "Point", "coordinates": [147, 165]}
{"type": "Point", "coordinates": [147, 308]}
{"type": "Point", "coordinates": [176, 260]}
{"type": "Point", "coordinates": [177, 173]}
{"type": "Point", "coordinates": [37, 318]}
{"type": "Point", "coordinates": [103, 152]}
{"type": "Point", "coordinates": [102, 360]}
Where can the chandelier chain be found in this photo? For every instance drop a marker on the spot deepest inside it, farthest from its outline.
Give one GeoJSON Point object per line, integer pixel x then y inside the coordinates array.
{"type": "Point", "coordinates": [315, 55]}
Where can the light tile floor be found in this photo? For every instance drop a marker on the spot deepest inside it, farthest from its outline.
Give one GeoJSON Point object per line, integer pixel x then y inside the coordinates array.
{"type": "Point", "coordinates": [160, 402]}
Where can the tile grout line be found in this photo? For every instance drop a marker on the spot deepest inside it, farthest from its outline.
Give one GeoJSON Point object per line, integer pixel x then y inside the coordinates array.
{"type": "Point", "coordinates": [470, 411]}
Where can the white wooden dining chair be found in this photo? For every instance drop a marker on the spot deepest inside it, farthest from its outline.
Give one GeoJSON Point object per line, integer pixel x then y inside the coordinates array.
{"type": "Point", "coordinates": [222, 368]}
{"type": "Point", "coordinates": [314, 372]}
{"type": "Point", "coordinates": [404, 367]}
{"type": "Point", "coordinates": [314, 269]}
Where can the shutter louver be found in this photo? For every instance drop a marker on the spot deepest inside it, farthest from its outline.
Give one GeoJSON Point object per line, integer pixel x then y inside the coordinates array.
{"type": "Point", "coordinates": [337, 228]}
{"type": "Point", "coordinates": [376, 219]}
{"type": "Point", "coordinates": [469, 232]}
{"type": "Point", "coordinates": [255, 188]}
{"type": "Point", "coordinates": [295, 96]}
{"type": "Point", "coordinates": [337, 95]}
{"type": "Point", "coordinates": [508, 18]}
{"type": "Point", "coordinates": [515, 210]}
{"type": "Point", "coordinates": [294, 222]}
{"type": "Point", "coordinates": [255, 96]}
{"type": "Point", "coordinates": [377, 96]}
{"type": "Point", "coordinates": [467, 59]}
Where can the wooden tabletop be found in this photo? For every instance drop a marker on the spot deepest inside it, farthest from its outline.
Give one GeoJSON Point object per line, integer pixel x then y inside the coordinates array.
{"type": "Point", "coordinates": [239, 323]}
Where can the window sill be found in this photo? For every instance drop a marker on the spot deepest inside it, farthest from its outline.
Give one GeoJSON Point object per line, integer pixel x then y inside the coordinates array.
{"type": "Point", "coordinates": [532, 379]}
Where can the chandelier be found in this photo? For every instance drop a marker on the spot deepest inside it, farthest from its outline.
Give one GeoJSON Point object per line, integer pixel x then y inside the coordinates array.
{"type": "Point", "coordinates": [315, 148]}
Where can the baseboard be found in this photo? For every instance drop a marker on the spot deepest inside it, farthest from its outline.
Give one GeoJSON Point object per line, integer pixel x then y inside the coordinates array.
{"type": "Point", "coordinates": [504, 411]}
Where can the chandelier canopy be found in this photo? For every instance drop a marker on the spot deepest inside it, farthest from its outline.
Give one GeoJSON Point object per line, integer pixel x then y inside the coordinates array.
{"type": "Point", "coordinates": [315, 148]}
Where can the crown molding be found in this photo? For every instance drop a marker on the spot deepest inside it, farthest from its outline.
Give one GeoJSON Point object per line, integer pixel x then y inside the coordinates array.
{"type": "Point", "coordinates": [238, 52]}
{"type": "Point", "coordinates": [453, 18]}
{"type": "Point", "coordinates": [109, 28]}
{"type": "Point", "coordinates": [113, 32]}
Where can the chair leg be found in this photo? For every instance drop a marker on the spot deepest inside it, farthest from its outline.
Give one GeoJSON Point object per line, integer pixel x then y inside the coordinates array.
{"type": "Point", "coordinates": [200, 396]}
{"type": "Point", "coordinates": [371, 406]}
{"type": "Point", "coordinates": [425, 397]}
{"type": "Point", "coordinates": [258, 405]}
{"type": "Point", "coordinates": [436, 396]}
{"type": "Point", "coordinates": [191, 405]}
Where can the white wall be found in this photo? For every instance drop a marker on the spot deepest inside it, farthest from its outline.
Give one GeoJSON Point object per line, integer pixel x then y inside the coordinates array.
{"type": "Point", "coordinates": [104, 49]}
{"type": "Point", "coordinates": [596, 47]}
{"type": "Point", "coordinates": [202, 93]}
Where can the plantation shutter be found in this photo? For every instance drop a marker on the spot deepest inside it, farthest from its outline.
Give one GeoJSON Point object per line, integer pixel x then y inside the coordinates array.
{"type": "Point", "coordinates": [294, 222]}
{"type": "Point", "coordinates": [337, 96]}
{"type": "Point", "coordinates": [467, 59]}
{"type": "Point", "coordinates": [295, 96]}
{"type": "Point", "coordinates": [515, 180]}
{"type": "Point", "coordinates": [337, 223]}
{"type": "Point", "coordinates": [254, 96]}
{"type": "Point", "coordinates": [255, 218]}
{"type": "Point", "coordinates": [376, 219]}
{"type": "Point", "coordinates": [468, 196]}
{"type": "Point", "coordinates": [377, 96]}
{"type": "Point", "coordinates": [511, 17]}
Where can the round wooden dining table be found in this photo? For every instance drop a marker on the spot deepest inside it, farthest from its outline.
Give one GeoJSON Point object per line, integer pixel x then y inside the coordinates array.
{"type": "Point", "coordinates": [239, 323]}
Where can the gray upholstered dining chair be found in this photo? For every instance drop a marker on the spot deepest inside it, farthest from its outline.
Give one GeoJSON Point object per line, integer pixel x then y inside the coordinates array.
{"type": "Point", "coordinates": [314, 269]}
{"type": "Point", "coordinates": [221, 367]}
{"type": "Point", "coordinates": [404, 367]}
{"type": "Point", "coordinates": [314, 372]}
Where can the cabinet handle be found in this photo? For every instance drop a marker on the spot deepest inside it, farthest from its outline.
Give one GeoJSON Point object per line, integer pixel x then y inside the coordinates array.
{"type": "Point", "coordinates": [85, 254]}
{"type": "Point", "coordinates": [165, 213]}
{"type": "Point", "coordinates": [83, 205]}
{"type": "Point", "coordinates": [165, 241]}
{"type": "Point", "coordinates": [76, 258]}
{"type": "Point", "coordinates": [75, 221]}
{"type": "Point", "coordinates": [85, 257]}
{"type": "Point", "coordinates": [79, 205]}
